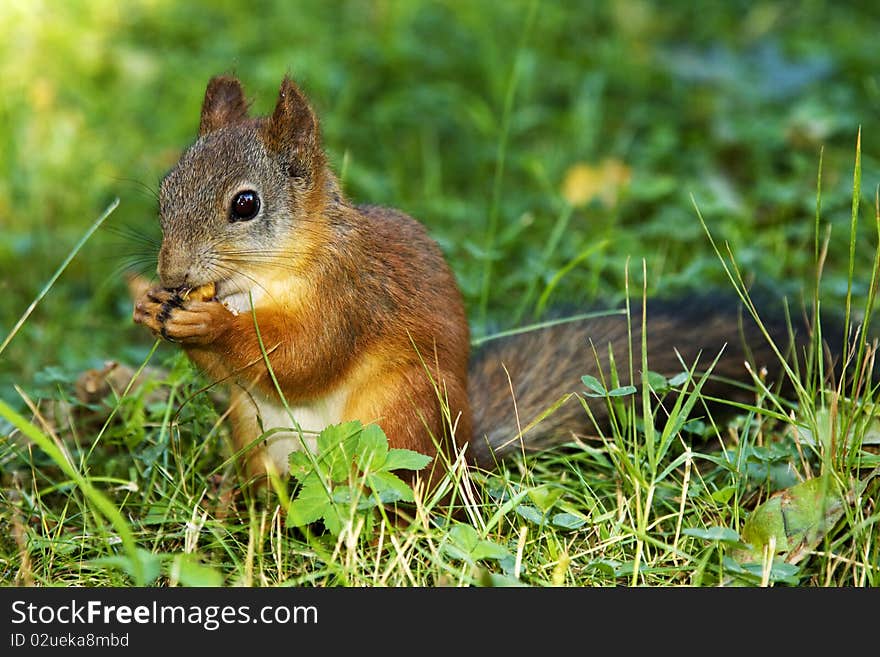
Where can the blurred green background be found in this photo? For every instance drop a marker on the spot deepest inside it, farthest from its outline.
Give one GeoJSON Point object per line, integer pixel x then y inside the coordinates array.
{"type": "Point", "coordinates": [619, 112]}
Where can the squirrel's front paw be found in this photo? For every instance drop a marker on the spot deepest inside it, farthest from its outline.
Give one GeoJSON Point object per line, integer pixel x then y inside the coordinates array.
{"type": "Point", "coordinates": [176, 319]}
{"type": "Point", "coordinates": [152, 308]}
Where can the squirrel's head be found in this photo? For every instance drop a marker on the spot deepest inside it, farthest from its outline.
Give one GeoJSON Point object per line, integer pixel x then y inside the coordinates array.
{"type": "Point", "coordinates": [245, 197]}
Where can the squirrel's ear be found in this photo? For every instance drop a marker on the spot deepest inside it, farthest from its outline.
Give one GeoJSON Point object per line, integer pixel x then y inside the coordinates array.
{"type": "Point", "coordinates": [292, 131]}
{"type": "Point", "coordinates": [224, 104]}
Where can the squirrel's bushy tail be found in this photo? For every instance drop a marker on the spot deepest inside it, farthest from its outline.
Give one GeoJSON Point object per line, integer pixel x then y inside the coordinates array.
{"type": "Point", "coordinates": [513, 380]}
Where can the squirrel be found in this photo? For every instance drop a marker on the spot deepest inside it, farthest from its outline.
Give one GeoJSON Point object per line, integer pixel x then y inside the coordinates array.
{"type": "Point", "coordinates": [317, 309]}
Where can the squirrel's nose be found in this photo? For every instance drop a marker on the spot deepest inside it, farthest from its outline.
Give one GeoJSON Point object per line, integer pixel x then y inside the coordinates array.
{"type": "Point", "coordinates": [173, 267]}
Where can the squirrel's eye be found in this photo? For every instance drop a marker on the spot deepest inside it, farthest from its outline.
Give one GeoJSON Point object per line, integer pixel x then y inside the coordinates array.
{"type": "Point", "coordinates": [245, 206]}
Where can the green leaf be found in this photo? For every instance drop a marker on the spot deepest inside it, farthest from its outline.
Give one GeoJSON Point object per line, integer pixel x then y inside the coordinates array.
{"type": "Point", "coordinates": [695, 426]}
{"type": "Point", "coordinates": [352, 476]}
{"type": "Point", "coordinates": [500, 581]}
{"type": "Point", "coordinates": [545, 497]}
{"type": "Point", "coordinates": [627, 568]}
{"type": "Point", "coordinates": [333, 520]}
{"type": "Point", "coordinates": [455, 552]}
{"type": "Point", "coordinates": [530, 513]}
{"type": "Point", "coordinates": [335, 434]}
{"type": "Point", "coordinates": [731, 564]}
{"type": "Point", "coordinates": [302, 512]}
{"type": "Point", "coordinates": [723, 495]}
{"type": "Point", "coordinates": [187, 570]}
{"type": "Point", "coordinates": [344, 497]}
{"type": "Point", "coordinates": [723, 534]}
{"type": "Point", "coordinates": [598, 390]}
{"type": "Point", "coordinates": [568, 520]}
{"type": "Point", "coordinates": [753, 572]}
{"type": "Point", "coordinates": [486, 549]}
{"type": "Point", "coordinates": [336, 445]}
{"type": "Point", "coordinates": [779, 571]}
{"type": "Point", "coordinates": [389, 487]}
{"type": "Point", "coordinates": [300, 465]}
{"type": "Point", "coordinates": [465, 544]}
{"type": "Point", "coordinates": [311, 503]}
{"type": "Point", "coordinates": [607, 567]}
{"type": "Point", "coordinates": [464, 536]}
{"type": "Point", "coordinates": [657, 382]}
{"type": "Point", "coordinates": [679, 379]}
{"type": "Point", "coordinates": [594, 385]}
{"type": "Point", "coordinates": [405, 459]}
{"type": "Point", "coordinates": [796, 520]}
{"type": "Point", "coordinates": [149, 564]}
{"type": "Point", "coordinates": [372, 449]}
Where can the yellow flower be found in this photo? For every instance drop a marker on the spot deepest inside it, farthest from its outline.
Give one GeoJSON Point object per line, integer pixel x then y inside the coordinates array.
{"type": "Point", "coordinates": [584, 182]}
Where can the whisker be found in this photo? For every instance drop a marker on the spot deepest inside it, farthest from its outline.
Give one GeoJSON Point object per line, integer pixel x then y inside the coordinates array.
{"type": "Point", "coordinates": [263, 265]}
{"type": "Point", "coordinates": [142, 187]}
{"type": "Point", "coordinates": [130, 260]}
{"type": "Point", "coordinates": [142, 269]}
{"type": "Point", "coordinates": [220, 268]}
{"type": "Point", "coordinates": [132, 234]}
{"type": "Point", "coordinates": [133, 250]}
{"type": "Point", "coordinates": [258, 257]}
{"type": "Point", "coordinates": [262, 255]}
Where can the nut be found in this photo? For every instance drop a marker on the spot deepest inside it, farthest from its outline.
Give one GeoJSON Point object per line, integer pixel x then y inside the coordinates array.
{"type": "Point", "coordinates": [201, 293]}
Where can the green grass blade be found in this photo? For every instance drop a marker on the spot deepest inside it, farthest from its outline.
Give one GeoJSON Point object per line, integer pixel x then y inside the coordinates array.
{"type": "Point", "coordinates": [499, 166]}
{"type": "Point", "coordinates": [70, 256]}
{"type": "Point", "coordinates": [103, 504]}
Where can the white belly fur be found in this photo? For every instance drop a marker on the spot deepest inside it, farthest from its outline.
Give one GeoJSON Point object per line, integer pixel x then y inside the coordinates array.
{"type": "Point", "coordinates": [312, 419]}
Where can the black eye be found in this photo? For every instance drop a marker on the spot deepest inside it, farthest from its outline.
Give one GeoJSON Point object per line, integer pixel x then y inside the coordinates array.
{"type": "Point", "coordinates": [245, 206]}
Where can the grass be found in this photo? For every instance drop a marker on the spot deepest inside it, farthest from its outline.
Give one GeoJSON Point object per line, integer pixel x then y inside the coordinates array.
{"type": "Point", "coordinates": [509, 155]}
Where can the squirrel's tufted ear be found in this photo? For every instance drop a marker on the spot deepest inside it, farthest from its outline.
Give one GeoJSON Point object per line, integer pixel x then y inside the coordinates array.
{"type": "Point", "coordinates": [224, 104]}
{"type": "Point", "coordinates": [292, 131]}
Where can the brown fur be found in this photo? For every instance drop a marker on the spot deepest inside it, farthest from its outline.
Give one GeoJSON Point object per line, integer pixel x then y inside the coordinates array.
{"type": "Point", "coordinates": [361, 296]}
{"type": "Point", "coordinates": [543, 366]}
{"type": "Point", "coordinates": [224, 103]}
{"type": "Point", "coordinates": [365, 299]}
